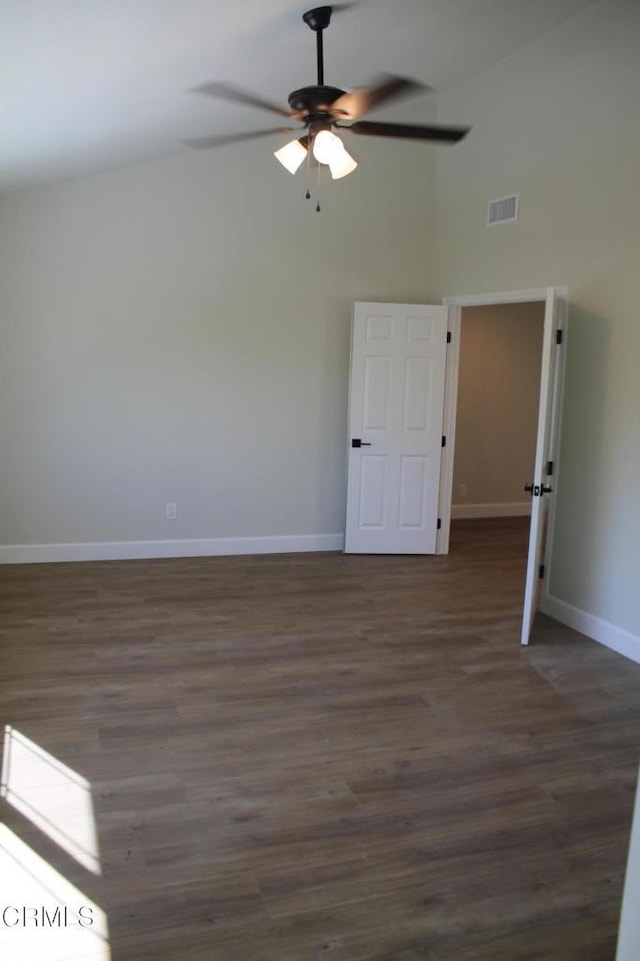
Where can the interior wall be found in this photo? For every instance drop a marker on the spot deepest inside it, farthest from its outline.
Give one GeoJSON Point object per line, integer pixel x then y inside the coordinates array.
{"type": "Point", "coordinates": [178, 331]}
{"type": "Point", "coordinates": [497, 409]}
{"type": "Point", "coordinates": [629, 936]}
{"type": "Point", "coordinates": [558, 122]}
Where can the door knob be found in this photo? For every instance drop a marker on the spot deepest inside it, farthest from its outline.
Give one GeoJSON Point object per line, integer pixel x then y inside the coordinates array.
{"type": "Point", "coordinates": [356, 442]}
{"type": "Point", "coordinates": [537, 490]}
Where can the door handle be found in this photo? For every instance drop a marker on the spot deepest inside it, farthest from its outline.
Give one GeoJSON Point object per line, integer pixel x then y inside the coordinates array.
{"type": "Point", "coordinates": [356, 442]}
{"type": "Point", "coordinates": [537, 490]}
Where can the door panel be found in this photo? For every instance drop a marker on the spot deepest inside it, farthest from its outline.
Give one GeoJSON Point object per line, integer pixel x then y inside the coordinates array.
{"type": "Point", "coordinates": [548, 427]}
{"type": "Point", "coordinates": [373, 490]}
{"type": "Point", "coordinates": [417, 381]}
{"type": "Point", "coordinates": [395, 409]}
{"type": "Point", "coordinates": [377, 386]}
{"type": "Point", "coordinates": [413, 489]}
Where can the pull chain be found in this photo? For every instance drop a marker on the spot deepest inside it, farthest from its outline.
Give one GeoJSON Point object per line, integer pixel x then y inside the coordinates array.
{"type": "Point", "coordinates": [307, 196]}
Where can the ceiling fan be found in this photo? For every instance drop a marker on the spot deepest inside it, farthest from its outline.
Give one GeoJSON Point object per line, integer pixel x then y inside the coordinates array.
{"type": "Point", "coordinates": [324, 109]}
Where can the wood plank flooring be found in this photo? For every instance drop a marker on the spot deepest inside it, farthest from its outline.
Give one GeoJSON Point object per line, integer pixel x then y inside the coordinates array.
{"type": "Point", "coordinates": [321, 756]}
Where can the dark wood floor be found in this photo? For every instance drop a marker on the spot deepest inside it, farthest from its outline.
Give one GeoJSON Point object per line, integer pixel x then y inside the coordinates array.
{"type": "Point", "coordinates": [321, 756]}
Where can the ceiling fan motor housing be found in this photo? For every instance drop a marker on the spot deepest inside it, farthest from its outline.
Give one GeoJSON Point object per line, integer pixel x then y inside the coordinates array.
{"type": "Point", "coordinates": [314, 102]}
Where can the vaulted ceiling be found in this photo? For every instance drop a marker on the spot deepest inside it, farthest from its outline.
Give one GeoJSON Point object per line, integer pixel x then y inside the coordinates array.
{"type": "Point", "coordinates": [90, 84]}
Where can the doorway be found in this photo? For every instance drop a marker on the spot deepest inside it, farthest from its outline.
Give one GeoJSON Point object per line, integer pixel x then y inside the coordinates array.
{"type": "Point", "coordinates": [496, 429]}
{"type": "Point", "coordinates": [548, 420]}
{"type": "Point", "coordinates": [497, 410]}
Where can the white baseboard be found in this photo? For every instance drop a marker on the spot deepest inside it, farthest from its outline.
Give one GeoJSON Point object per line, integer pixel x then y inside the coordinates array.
{"type": "Point", "coordinates": [594, 627]}
{"type": "Point", "coordinates": [196, 547]}
{"type": "Point", "coordinates": [519, 509]}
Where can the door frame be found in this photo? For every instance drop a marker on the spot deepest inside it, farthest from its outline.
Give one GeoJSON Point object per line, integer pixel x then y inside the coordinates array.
{"type": "Point", "coordinates": [456, 305]}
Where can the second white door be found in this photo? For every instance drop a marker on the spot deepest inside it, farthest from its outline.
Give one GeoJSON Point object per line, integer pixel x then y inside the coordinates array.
{"type": "Point", "coordinates": [396, 398]}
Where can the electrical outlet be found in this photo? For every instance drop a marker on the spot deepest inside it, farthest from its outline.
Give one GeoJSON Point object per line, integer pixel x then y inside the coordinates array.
{"type": "Point", "coordinates": [171, 511]}
{"type": "Point", "coordinates": [462, 490]}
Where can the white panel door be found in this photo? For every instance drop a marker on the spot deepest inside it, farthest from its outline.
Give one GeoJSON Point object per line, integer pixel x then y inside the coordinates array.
{"type": "Point", "coordinates": [551, 377]}
{"type": "Point", "coordinates": [396, 396]}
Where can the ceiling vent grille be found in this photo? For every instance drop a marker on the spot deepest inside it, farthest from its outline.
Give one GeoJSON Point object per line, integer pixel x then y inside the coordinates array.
{"type": "Point", "coordinates": [504, 210]}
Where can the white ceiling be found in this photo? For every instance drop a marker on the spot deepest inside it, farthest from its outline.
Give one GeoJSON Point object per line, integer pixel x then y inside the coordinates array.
{"type": "Point", "coordinates": [90, 84]}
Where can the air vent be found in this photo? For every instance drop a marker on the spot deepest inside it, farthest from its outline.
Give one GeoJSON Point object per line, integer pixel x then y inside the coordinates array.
{"type": "Point", "coordinates": [504, 210]}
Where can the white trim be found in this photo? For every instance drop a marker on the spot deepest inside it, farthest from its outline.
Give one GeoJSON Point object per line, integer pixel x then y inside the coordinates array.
{"type": "Point", "coordinates": [450, 407]}
{"type": "Point", "coordinates": [515, 509]}
{"type": "Point", "coordinates": [502, 297]}
{"type": "Point", "coordinates": [547, 405]}
{"type": "Point", "coordinates": [611, 636]}
{"type": "Point", "coordinates": [562, 320]}
{"type": "Point", "coordinates": [196, 547]}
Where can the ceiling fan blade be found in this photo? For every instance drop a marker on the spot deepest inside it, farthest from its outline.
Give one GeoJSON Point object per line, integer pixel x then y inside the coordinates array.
{"type": "Point", "coordinates": [204, 143]}
{"type": "Point", "coordinates": [407, 131]}
{"type": "Point", "coordinates": [361, 100]}
{"type": "Point", "coordinates": [227, 91]}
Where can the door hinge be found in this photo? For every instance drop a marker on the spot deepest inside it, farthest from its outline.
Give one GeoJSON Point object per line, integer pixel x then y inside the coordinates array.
{"type": "Point", "coordinates": [444, 441]}
{"type": "Point", "coordinates": [439, 524]}
{"type": "Point", "coordinates": [541, 571]}
{"type": "Point", "coordinates": [549, 468]}
{"type": "Point", "coordinates": [558, 336]}
{"type": "Point", "coordinates": [448, 336]}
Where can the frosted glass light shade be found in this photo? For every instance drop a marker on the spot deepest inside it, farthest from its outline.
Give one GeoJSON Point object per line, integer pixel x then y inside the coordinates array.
{"type": "Point", "coordinates": [326, 146]}
{"type": "Point", "coordinates": [291, 155]}
{"type": "Point", "coordinates": [342, 165]}
{"type": "Point", "coordinates": [329, 149]}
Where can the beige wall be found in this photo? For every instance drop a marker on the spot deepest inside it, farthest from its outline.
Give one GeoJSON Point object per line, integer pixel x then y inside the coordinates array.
{"type": "Point", "coordinates": [559, 123]}
{"type": "Point", "coordinates": [179, 331]}
{"type": "Point", "coordinates": [498, 390]}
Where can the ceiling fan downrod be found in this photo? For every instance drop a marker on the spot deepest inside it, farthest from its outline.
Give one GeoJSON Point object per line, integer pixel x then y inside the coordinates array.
{"type": "Point", "coordinates": [318, 20]}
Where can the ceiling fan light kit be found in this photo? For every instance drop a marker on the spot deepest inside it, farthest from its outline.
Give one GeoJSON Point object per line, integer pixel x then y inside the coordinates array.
{"type": "Point", "coordinates": [291, 155]}
{"type": "Point", "coordinates": [329, 149]}
{"type": "Point", "coordinates": [324, 109]}
{"type": "Point", "coordinates": [342, 164]}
